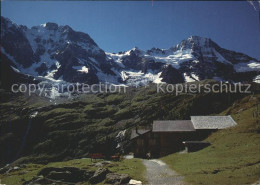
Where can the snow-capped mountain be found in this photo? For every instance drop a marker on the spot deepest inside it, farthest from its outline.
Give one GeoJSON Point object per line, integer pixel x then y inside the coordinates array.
{"type": "Point", "coordinates": [193, 59]}
{"type": "Point", "coordinates": [55, 52]}
{"type": "Point", "coordinates": [59, 54]}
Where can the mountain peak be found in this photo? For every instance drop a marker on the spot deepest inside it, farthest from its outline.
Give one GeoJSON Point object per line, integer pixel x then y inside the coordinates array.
{"type": "Point", "coordinates": [6, 21]}
{"type": "Point", "coordinates": [193, 42]}
{"type": "Point", "coordinates": [50, 26]}
{"type": "Point", "coordinates": [136, 49]}
{"type": "Point", "coordinates": [201, 41]}
{"type": "Point", "coordinates": [195, 37]}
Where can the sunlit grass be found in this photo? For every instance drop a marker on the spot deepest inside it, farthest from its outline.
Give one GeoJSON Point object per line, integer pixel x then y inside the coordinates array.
{"type": "Point", "coordinates": [233, 157]}
{"type": "Point", "coordinates": [133, 167]}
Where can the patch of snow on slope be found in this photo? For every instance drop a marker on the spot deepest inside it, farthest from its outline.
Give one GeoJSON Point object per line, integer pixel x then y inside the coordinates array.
{"type": "Point", "coordinates": [249, 66]}
{"type": "Point", "coordinates": [50, 74]}
{"type": "Point", "coordinates": [117, 58]}
{"type": "Point", "coordinates": [34, 114]}
{"type": "Point", "coordinates": [188, 78]}
{"type": "Point", "coordinates": [124, 75]}
{"type": "Point", "coordinates": [175, 58]}
{"type": "Point", "coordinates": [158, 79]}
{"type": "Point", "coordinates": [254, 65]}
{"type": "Point", "coordinates": [54, 92]}
{"type": "Point", "coordinates": [155, 78]}
{"type": "Point", "coordinates": [194, 76]}
{"type": "Point", "coordinates": [45, 58]}
{"type": "Point", "coordinates": [82, 69]}
{"type": "Point", "coordinates": [16, 70]}
{"type": "Point", "coordinates": [257, 79]}
{"type": "Point", "coordinates": [133, 73]}
{"type": "Point", "coordinates": [137, 78]}
{"type": "Point", "coordinates": [43, 25]}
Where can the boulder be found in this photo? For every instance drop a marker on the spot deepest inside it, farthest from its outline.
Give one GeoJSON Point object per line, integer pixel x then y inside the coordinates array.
{"type": "Point", "coordinates": [89, 174]}
{"type": "Point", "coordinates": [62, 176]}
{"type": "Point", "coordinates": [3, 170]}
{"type": "Point", "coordinates": [8, 169]}
{"type": "Point", "coordinates": [40, 180]}
{"type": "Point", "coordinates": [66, 174]}
{"type": "Point", "coordinates": [114, 178]}
{"type": "Point", "coordinates": [101, 164]}
{"type": "Point", "coordinates": [99, 175]}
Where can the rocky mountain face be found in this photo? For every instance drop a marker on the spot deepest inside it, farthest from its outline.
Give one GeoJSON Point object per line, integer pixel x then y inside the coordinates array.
{"type": "Point", "coordinates": [193, 59]}
{"type": "Point", "coordinates": [54, 52]}
{"type": "Point", "coordinates": [59, 54]}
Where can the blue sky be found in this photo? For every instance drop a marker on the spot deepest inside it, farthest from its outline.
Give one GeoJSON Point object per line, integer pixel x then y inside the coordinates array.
{"type": "Point", "coordinates": [119, 26]}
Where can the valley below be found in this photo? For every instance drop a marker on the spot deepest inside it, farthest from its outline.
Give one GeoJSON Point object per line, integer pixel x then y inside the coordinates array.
{"type": "Point", "coordinates": [37, 133]}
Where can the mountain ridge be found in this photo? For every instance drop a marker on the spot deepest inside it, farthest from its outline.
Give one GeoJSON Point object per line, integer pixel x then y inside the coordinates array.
{"type": "Point", "coordinates": [60, 54]}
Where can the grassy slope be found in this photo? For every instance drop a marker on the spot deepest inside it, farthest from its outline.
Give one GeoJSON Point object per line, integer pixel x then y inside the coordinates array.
{"type": "Point", "coordinates": [133, 167]}
{"type": "Point", "coordinates": [88, 124]}
{"type": "Point", "coordinates": [72, 129]}
{"type": "Point", "coordinates": [233, 157]}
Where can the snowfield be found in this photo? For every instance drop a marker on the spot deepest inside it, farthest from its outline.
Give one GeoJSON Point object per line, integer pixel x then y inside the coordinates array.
{"type": "Point", "coordinates": [245, 67]}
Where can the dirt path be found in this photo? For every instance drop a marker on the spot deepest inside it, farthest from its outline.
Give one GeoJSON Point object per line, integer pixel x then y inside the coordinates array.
{"type": "Point", "coordinates": [158, 172]}
{"type": "Point", "coordinates": [257, 183]}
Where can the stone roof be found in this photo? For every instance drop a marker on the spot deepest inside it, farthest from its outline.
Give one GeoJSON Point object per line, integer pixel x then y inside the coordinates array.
{"type": "Point", "coordinates": [212, 122]}
{"type": "Point", "coordinates": [196, 122]}
{"type": "Point", "coordinates": [173, 126]}
{"type": "Point", "coordinates": [139, 132]}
